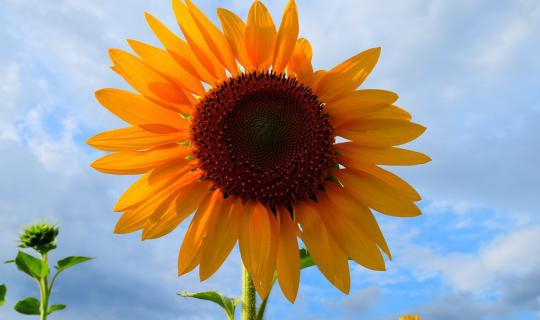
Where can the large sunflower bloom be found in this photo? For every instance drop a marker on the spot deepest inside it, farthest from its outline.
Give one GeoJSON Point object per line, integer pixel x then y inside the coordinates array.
{"type": "Point", "coordinates": [235, 125]}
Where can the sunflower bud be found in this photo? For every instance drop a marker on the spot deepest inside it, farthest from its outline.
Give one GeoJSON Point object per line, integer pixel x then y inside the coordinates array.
{"type": "Point", "coordinates": [40, 237]}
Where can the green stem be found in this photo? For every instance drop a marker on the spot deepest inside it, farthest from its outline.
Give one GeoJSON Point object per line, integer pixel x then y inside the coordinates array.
{"type": "Point", "coordinates": [44, 291]}
{"type": "Point", "coordinates": [249, 297]}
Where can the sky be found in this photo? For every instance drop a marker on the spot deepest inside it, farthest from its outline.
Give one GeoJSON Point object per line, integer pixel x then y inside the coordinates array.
{"type": "Point", "coordinates": [467, 70]}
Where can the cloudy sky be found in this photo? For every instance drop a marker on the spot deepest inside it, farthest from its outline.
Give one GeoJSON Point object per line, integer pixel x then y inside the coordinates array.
{"type": "Point", "coordinates": [467, 70]}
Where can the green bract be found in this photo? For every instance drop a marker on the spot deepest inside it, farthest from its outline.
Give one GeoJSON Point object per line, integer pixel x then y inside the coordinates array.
{"type": "Point", "coordinates": [40, 237]}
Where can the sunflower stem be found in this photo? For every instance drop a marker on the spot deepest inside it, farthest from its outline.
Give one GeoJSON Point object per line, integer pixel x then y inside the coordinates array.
{"type": "Point", "coordinates": [249, 297]}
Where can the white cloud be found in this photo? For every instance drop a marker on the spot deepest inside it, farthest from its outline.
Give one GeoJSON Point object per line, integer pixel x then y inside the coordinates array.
{"type": "Point", "coordinates": [507, 255]}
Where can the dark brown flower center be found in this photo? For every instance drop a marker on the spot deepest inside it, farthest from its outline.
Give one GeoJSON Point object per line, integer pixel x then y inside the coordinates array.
{"type": "Point", "coordinates": [264, 137]}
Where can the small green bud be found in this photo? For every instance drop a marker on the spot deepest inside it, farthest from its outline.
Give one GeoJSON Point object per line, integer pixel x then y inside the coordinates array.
{"type": "Point", "coordinates": [40, 237]}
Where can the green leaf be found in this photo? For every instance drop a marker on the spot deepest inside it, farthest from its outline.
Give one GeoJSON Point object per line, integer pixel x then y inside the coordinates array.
{"type": "Point", "coordinates": [56, 307]}
{"type": "Point", "coordinates": [69, 262]}
{"type": "Point", "coordinates": [28, 306]}
{"type": "Point", "coordinates": [32, 266]}
{"type": "Point", "coordinates": [10, 261]}
{"type": "Point", "coordinates": [305, 259]}
{"type": "Point", "coordinates": [3, 291]}
{"type": "Point", "coordinates": [228, 304]}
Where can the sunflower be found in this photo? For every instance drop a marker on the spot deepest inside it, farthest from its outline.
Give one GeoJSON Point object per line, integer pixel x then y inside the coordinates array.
{"type": "Point", "coordinates": [235, 125]}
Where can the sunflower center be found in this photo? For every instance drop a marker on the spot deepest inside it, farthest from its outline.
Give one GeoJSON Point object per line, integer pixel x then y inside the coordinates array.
{"type": "Point", "coordinates": [264, 137]}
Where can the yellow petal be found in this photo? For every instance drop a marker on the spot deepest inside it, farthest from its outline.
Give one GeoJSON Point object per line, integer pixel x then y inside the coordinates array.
{"type": "Point", "coordinates": [234, 30]}
{"type": "Point", "coordinates": [383, 156]}
{"type": "Point", "coordinates": [288, 259]}
{"type": "Point", "coordinates": [260, 37]}
{"type": "Point", "coordinates": [133, 138]}
{"type": "Point", "coordinates": [221, 238]}
{"type": "Point", "coordinates": [353, 239]}
{"type": "Point", "coordinates": [379, 132]}
{"type": "Point", "coordinates": [188, 199]}
{"type": "Point", "coordinates": [359, 66]}
{"type": "Point", "coordinates": [299, 64]}
{"type": "Point", "coordinates": [326, 253]}
{"type": "Point", "coordinates": [196, 40]}
{"type": "Point", "coordinates": [376, 194]}
{"type": "Point", "coordinates": [358, 104]}
{"type": "Point", "coordinates": [190, 252]}
{"type": "Point", "coordinates": [386, 176]}
{"type": "Point", "coordinates": [357, 213]}
{"type": "Point", "coordinates": [149, 83]}
{"type": "Point", "coordinates": [136, 110]}
{"type": "Point", "coordinates": [137, 162]}
{"type": "Point", "coordinates": [164, 63]}
{"type": "Point", "coordinates": [179, 50]}
{"type": "Point", "coordinates": [286, 37]}
{"type": "Point", "coordinates": [390, 112]}
{"type": "Point", "coordinates": [214, 38]}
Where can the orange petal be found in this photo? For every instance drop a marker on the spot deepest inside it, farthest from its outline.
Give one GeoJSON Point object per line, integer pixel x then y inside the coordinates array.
{"type": "Point", "coordinates": [383, 156]}
{"type": "Point", "coordinates": [286, 37]}
{"type": "Point", "coordinates": [137, 162]}
{"type": "Point", "coordinates": [235, 33]}
{"type": "Point", "coordinates": [358, 104]}
{"type": "Point", "coordinates": [156, 205]}
{"type": "Point", "coordinates": [190, 252]}
{"type": "Point", "coordinates": [179, 50]}
{"type": "Point", "coordinates": [164, 63]}
{"type": "Point", "coordinates": [260, 37]}
{"type": "Point", "coordinates": [188, 199]}
{"type": "Point", "coordinates": [360, 66]}
{"type": "Point", "coordinates": [330, 86]}
{"type": "Point", "coordinates": [243, 235]}
{"type": "Point", "coordinates": [196, 40]}
{"type": "Point", "coordinates": [288, 259]}
{"type": "Point", "coordinates": [149, 83]}
{"type": "Point", "coordinates": [214, 38]}
{"type": "Point", "coordinates": [386, 176]}
{"type": "Point", "coordinates": [136, 110]}
{"type": "Point", "coordinates": [376, 194]}
{"type": "Point", "coordinates": [132, 138]}
{"type": "Point", "coordinates": [353, 239]}
{"type": "Point", "coordinates": [135, 219]}
{"type": "Point", "coordinates": [299, 64]}
{"type": "Point", "coordinates": [379, 132]}
{"type": "Point", "coordinates": [220, 239]}
{"type": "Point", "coordinates": [258, 237]}
{"type": "Point", "coordinates": [390, 112]}
{"type": "Point", "coordinates": [150, 183]}
{"type": "Point", "coordinates": [326, 253]}
{"type": "Point", "coordinates": [357, 213]}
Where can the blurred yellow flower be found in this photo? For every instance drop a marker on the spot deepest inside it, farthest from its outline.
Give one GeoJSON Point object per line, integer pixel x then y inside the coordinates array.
{"type": "Point", "coordinates": [410, 317]}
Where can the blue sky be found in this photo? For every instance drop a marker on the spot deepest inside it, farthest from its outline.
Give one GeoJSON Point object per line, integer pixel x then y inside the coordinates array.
{"type": "Point", "coordinates": [467, 70]}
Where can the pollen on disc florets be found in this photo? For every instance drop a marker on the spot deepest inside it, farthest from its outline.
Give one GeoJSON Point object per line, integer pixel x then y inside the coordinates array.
{"type": "Point", "coordinates": [265, 137]}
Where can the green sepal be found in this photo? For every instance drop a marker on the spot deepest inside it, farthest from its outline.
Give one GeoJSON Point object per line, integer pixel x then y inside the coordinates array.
{"type": "Point", "coordinates": [69, 262]}
{"type": "Point", "coordinates": [226, 303]}
{"type": "Point", "coordinates": [332, 178]}
{"type": "Point", "coordinates": [28, 306]}
{"type": "Point", "coordinates": [31, 265]}
{"type": "Point", "coordinates": [56, 307]}
{"type": "Point", "coordinates": [3, 291]}
{"type": "Point", "coordinates": [305, 259]}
